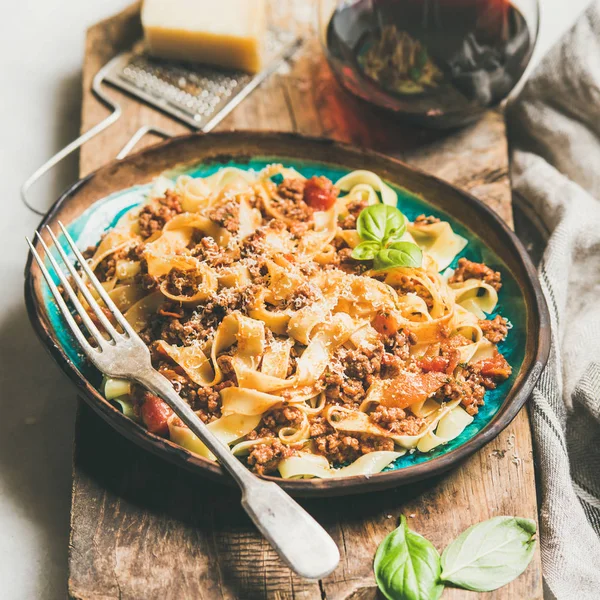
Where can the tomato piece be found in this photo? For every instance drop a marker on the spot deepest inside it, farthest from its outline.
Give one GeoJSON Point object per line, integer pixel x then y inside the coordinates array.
{"type": "Point", "coordinates": [320, 193]}
{"type": "Point", "coordinates": [495, 367]}
{"type": "Point", "coordinates": [437, 364]}
{"type": "Point", "coordinates": [385, 323]}
{"type": "Point", "coordinates": [408, 388]}
{"type": "Point", "coordinates": [155, 414]}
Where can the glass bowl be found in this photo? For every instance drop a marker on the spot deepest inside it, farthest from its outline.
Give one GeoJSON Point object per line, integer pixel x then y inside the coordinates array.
{"type": "Point", "coordinates": [435, 63]}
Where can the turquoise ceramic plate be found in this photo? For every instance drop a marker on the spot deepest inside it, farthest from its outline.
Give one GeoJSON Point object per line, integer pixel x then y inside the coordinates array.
{"type": "Point", "coordinates": [93, 205]}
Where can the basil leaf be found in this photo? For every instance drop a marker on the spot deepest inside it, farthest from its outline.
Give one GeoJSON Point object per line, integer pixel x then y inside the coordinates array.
{"type": "Point", "coordinates": [380, 223]}
{"type": "Point", "coordinates": [407, 566]}
{"type": "Point", "coordinates": [366, 250]}
{"type": "Point", "coordinates": [398, 254]}
{"type": "Point", "coordinates": [490, 554]}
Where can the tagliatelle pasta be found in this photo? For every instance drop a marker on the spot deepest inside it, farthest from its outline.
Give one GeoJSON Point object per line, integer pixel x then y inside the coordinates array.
{"type": "Point", "coordinates": [304, 360]}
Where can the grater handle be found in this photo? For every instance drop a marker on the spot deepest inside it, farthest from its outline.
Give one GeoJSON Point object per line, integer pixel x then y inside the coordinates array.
{"type": "Point", "coordinates": [82, 139]}
{"type": "Point", "coordinates": [138, 135]}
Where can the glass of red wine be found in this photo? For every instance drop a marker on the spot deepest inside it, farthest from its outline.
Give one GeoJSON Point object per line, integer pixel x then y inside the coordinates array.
{"type": "Point", "coordinates": [435, 63]}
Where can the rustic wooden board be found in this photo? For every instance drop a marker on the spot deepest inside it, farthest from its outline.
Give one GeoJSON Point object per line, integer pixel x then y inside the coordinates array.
{"type": "Point", "coordinates": [142, 529]}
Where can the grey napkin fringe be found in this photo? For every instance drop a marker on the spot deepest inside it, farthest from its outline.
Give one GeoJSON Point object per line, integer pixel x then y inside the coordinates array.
{"type": "Point", "coordinates": [554, 134]}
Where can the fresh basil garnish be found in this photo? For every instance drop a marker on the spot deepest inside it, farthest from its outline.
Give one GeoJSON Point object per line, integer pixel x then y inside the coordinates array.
{"type": "Point", "coordinates": [380, 223]}
{"type": "Point", "coordinates": [490, 554]}
{"type": "Point", "coordinates": [380, 228]}
{"type": "Point", "coordinates": [407, 566]}
{"type": "Point", "coordinates": [398, 254]}
{"type": "Point", "coordinates": [366, 251]}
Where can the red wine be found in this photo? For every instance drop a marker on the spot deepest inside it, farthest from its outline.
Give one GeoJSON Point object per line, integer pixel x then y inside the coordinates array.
{"type": "Point", "coordinates": [439, 62]}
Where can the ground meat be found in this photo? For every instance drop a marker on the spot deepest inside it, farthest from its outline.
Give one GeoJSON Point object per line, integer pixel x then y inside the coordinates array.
{"type": "Point", "coordinates": [407, 285]}
{"type": "Point", "coordinates": [426, 220]}
{"type": "Point", "coordinates": [153, 217]}
{"type": "Point", "coordinates": [147, 282]}
{"type": "Point", "coordinates": [399, 343]}
{"type": "Point", "coordinates": [89, 252]}
{"type": "Point", "coordinates": [362, 363]}
{"type": "Point", "coordinates": [391, 365]}
{"type": "Point", "coordinates": [184, 327]}
{"type": "Point", "coordinates": [319, 425]}
{"type": "Point", "coordinates": [259, 271]}
{"type": "Point", "coordinates": [225, 302]}
{"type": "Point", "coordinates": [106, 268]}
{"type": "Point", "coordinates": [396, 420]}
{"type": "Point", "coordinates": [172, 371]}
{"type": "Point", "coordinates": [143, 278]}
{"type": "Point", "coordinates": [304, 295]}
{"type": "Point", "coordinates": [469, 391]}
{"type": "Point", "coordinates": [341, 448]}
{"type": "Point", "coordinates": [287, 416]}
{"type": "Point", "coordinates": [495, 330]}
{"type": "Point", "coordinates": [292, 189]}
{"type": "Point", "coordinates": [179, 326]}
{"type": "Point", "coordinates": [345, 391]}
{"type": "Point", "coordinates": [264, 458]}
{"type": "Point", "coordinates": [205, 401]}
{"type": "Point", "coordinates": [136, 252]}
{"type": "Point", "coordinates": [208, 399]}
{"type": "Point", "coordinates": [351, 373]}
{"type": "Point", "coordinates": [355, 207]}
{"type": "Point", "coordinates": [289, 201]}
{"type": "Point", "coordinates": [298, 228]}
{"type": "Point", "coordinates": [343, 260]}
{"type": "Point", "coordinates": [186, 331]}
{"type": "Point", "coordinates": [206, 249]}
{"type": "Point", "coordinates": [225, 362]}
{"type": "Point", "coordinates": [471, 270]}
{"type": "Point", "coordinates": [227, 215]}
{"type": "Point", "coordinates": [449, 350]}
{"type": "Point", "coordinates": [254, 245]}
{"type": "Point", "coordinates": [183, 283]}
{"type": "Point", "coordinates": [176, 326]}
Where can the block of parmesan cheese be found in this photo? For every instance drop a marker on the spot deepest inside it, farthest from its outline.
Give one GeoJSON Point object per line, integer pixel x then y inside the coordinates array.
{"type": "Point", "coordinates": [225, 33]}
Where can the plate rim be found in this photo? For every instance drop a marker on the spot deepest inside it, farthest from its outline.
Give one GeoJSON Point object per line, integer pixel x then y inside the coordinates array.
{"type": "Point", "coordinates": [306, 487]}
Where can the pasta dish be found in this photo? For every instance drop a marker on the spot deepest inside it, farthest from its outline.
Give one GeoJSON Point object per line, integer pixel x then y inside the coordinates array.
{"type": "Point", "coordinates": [314, 328]}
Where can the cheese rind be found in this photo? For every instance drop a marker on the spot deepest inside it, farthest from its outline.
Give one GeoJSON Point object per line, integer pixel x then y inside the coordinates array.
{"type": "Point", "coordinates": [225, 33]}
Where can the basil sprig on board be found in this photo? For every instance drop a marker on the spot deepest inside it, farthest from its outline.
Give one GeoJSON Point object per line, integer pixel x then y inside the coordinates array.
{"type": "Point", "coordinates": [490, 554]}
{"type": "Point", "coordinates": [381, 228]}
{"type": "Point", "coordinates": [483, 558]}
{"type": "Point", "coordinates": [407, 566]}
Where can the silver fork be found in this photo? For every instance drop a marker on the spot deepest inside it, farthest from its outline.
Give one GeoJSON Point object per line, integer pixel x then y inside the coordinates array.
{"type": "Point", "coordinates": [299, 540]}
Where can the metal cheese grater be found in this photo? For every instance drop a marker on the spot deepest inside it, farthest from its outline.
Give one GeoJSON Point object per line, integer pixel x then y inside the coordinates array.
{"type": "Point", "coordinates": [199, 96]}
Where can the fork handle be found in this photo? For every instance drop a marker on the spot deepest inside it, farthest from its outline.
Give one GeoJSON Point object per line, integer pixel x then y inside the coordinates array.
{"type": "Point", "coordinates": [298, 539]}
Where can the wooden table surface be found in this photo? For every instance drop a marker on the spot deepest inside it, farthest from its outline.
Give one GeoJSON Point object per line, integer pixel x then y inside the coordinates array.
{"type": "Point", "coordinates": [142, 529]}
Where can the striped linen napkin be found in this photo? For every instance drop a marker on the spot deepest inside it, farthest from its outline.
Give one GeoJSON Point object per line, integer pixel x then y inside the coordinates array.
{"type": "Point", "coordinates": [554, 133]}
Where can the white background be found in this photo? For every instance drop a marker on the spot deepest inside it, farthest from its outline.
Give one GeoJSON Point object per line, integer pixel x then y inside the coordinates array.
{"type": "Point", "coordinates": [41, 47]}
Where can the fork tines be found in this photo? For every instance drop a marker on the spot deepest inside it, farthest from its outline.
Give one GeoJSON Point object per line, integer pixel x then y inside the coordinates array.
{"type": "Point", "coordinates": [107, 326]}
